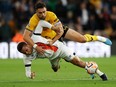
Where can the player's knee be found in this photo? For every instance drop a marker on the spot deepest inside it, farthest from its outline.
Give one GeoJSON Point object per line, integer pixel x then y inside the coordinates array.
{"type": "Point", "coordinates": [75, 61]}
{"type": "Point", "coordinates": [55, 68]}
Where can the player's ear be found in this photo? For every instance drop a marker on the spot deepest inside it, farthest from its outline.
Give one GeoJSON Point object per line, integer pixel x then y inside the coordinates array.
{"type": "Point", "coordinates": [46, 9]}
{"type": "Point", "coordinates": [29, 46]}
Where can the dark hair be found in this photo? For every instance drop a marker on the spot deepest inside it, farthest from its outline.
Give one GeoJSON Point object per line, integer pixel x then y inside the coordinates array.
{"type": "Point", "coordinates": [20, 46]}
{"type": "Point", "coordinates": [39, 4]}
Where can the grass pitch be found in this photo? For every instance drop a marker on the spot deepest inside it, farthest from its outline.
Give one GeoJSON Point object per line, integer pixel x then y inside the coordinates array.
{"type": "Point", "coordinates": [12, 74]}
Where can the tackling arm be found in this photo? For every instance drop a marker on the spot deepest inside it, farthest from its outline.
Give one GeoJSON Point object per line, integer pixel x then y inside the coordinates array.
{"type": "Point", "coordinates": [44, 23]}
{"type": "Point", "coordinates": [27, 38]}
{"type": "Point", "coordinates": [57, 28]}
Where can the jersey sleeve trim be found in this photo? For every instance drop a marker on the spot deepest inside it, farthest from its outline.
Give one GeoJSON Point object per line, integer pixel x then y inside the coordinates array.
{"type": "Point", "coordinates": [29, 29]}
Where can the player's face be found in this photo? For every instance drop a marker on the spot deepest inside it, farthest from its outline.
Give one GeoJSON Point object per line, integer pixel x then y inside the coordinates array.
{"type": "Point", "coordinates": [41, 13]}
{"type": "Point", "coordinates": [26, 50]}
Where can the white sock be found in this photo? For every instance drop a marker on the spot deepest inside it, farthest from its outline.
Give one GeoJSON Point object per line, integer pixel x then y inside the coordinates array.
{"type": "Point", "coordinates": [102, 39]}
{"type": "Point", "coordinates": [99, 72]}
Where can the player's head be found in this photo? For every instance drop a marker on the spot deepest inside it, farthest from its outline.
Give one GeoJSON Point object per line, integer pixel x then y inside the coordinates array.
{"type": "Point", "coordinates": [40, 8]}
{"type": "Point", "coordinates": [24, 48]}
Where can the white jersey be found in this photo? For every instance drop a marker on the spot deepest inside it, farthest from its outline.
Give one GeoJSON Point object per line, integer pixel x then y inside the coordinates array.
{"type": "Point", "coordinates": [61, 51]}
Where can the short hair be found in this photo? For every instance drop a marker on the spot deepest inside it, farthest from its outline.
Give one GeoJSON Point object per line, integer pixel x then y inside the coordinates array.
{"type": "Point", "coordinates": [20, 46]}
{"type": "Point", "coordinates": [40, 4]}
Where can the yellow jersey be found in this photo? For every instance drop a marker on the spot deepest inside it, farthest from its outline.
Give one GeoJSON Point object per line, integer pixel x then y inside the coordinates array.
{"type": "Point", "coordinates": [50, 17]}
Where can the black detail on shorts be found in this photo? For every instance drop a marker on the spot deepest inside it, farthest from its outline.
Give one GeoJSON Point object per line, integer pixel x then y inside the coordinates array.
{"type": "Point", "coordinates": [61, 39]}
{"type": "Point", "coordinates": [74, 53]}
{"type": "Point", "coordinates": [65, 28]}
{"type": "Point", "coordinates": [28, 65]}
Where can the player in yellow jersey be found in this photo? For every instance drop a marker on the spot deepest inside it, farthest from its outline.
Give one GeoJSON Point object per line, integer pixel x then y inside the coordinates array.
{"type": "Point", "coordinates": [57, 30]}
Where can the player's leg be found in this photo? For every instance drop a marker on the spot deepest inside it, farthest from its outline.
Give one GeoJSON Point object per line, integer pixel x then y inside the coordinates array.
{"type": "Point", "coordinates": [67, 55]}
{"type": "Point", "coordinates": [102, 75]}
{"type": "Point", "coordinates": [78, 62]}
{"type": "Point", "coordinates": [55, 64]}
{"type": "Point", "coordinates": [75, 36]}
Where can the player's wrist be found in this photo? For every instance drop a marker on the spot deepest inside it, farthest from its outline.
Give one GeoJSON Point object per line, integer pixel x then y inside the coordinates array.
{"type": "Point", "coordinates": [34, 46]}
{"type": "Point", "coordinates": [28, 74]}
{"type": "Point", "coordinates": [53, 27]}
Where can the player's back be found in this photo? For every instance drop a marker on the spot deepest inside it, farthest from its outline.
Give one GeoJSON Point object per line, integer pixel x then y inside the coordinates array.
{"type": "Point", "coordinates": [47, 33]}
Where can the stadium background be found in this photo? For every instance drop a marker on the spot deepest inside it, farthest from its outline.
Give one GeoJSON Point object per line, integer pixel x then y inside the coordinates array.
{"type": "Point", "coordinates": [14, 15]}
{"type": "Point", "coordinates": [85, 16]}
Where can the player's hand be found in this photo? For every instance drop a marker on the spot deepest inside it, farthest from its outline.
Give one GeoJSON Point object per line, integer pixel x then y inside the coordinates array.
{"type": "Point", "coordinates": [40, 50]}
{"type": "Point", "coordinates": [50, 42]}
{"type": "Point", "coordinates": [59, 30]}
{"type": "Point", "coordinates": [32, 75]}
{"type": "Point", "coordinates": [55, 27]}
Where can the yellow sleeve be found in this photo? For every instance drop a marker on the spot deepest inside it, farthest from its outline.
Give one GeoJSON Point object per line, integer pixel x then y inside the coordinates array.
{"type": "Point", "coordinates": [54, 18]}
{"type": "Point", "coordinates": [32, 23]}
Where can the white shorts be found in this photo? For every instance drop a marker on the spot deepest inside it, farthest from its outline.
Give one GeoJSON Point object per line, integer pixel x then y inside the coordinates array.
{"type": "Point", "coordinates": [62, 52]}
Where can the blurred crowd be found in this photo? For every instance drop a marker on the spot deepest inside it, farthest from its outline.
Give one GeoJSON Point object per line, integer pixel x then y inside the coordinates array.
{"type": "Point", "coordinates": [85, 16]}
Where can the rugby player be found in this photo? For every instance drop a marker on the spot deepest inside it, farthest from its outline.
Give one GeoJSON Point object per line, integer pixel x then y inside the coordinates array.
{"type": "Point", "coordinates": [57, 30]}
{"type": "Point", "coordinates": [54, 53]}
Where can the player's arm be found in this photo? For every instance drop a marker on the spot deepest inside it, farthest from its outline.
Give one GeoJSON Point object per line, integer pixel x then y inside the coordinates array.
{"type": "Point", "coordinates": [28, 71]}
{"type": "Point", "coordinates": [58, 25]}
{"type": "Point", "coordinates": [59, 31]}
{"type": "Point", "coordinates": [44, 23]}
{"type": "Point", "coordinates": [28, 32]}
{"type": "Point", "coordinates": [57, 28]}
{"type": "Point", "coordinates": [27, 37]}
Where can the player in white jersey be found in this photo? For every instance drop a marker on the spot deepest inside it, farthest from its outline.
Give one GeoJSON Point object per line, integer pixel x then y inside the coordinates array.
{"type": "Point", "coordinates": [52, 52]}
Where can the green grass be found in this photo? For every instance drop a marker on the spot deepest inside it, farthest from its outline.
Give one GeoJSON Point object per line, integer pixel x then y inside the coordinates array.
{"type": "Point", "coordinates": [12, 74]}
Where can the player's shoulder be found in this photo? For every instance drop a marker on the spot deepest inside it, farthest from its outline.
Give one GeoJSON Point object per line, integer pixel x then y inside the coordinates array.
{"type": "Point", "coordinates": [50, 13]}
{"type": "Point", "coordinates": [34, 17]}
